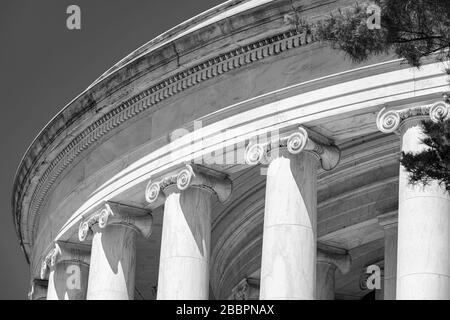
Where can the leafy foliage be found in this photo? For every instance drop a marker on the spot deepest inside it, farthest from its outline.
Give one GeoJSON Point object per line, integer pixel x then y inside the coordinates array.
{"type": "Point", "coordinates": [413, 29]}
{"type": "Point", "coordinates": [433, 163]}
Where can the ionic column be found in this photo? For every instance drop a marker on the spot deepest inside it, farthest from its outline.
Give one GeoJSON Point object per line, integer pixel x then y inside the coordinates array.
{"type": "Point", "coordinates": [38, 290]}
{"type": "Point", "coordinates": [113, 253]}
{"type": "Point", "coordinates": [288, 268]}
{"type": "Point", "coordinates": [327, 263]}
{"type": "Point", "coordinates": [423, 255]}
{"type": "Point", "coordinates": [68, 265]}
{"type": "Point", "coordinates": [389, 224]}
{"type": "Point", "coordinates": [186, 234]}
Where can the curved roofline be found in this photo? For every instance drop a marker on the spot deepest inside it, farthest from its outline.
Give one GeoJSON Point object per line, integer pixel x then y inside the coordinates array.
{"type": "Point", "coordinates": [152, 45]}
{"type": "Point", "coordinates": [208, 17]}
{"type": "Point", "coordinates": [199, 21]}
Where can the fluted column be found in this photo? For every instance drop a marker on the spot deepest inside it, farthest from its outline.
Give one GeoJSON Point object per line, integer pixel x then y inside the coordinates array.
{"type": "Point", "coordinates": [327, 263]}
{"type": "Point", "coordinates": [288, 268]}
{"type": "Point", "coordinates": [38, 290]}
{"type": "Point", "coordinates": [389, 224]}
{"type": "Point", "coordinates": [68, 266]}
{"type": "Point", "coordinates": [186, 234]}
{"type": "Point", "coordinates": [113, 253]}
{"type": "Point", "coordinates": [423, 255]}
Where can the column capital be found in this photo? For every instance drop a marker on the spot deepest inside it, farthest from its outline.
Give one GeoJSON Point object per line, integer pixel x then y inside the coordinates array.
{"type": "Point", "coordinates": [112, 213]}
{"type": "Point", "coordinates": [389, 121]}
{"type": "Point", "coordinates": [195, 176]}
{"type": "Point", "coordinates": [263, 153]}
{"type": "Point", "coordinates": [388, 220]}
{"type": "Point", "coordinates": [62, 252]}
{"type": "Point", "coordinates": [49, 261]}
{"type": "Point", "coordinates": [342, 261]}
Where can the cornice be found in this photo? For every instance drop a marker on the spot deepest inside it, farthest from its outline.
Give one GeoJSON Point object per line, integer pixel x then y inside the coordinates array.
{"type": "Point", "coordinates": [181, 81]}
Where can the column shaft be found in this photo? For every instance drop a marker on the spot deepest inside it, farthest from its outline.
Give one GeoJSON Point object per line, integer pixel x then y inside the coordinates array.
{"type": "Point", "coordinates": [68, 281]}
{"type": "Point", "coordinates": [185, 246]}
{"type": "Point", "coordinates": [51, 289]}
{"type": "Point", "coordinates": [112, 269]}
{"type": "Point", "coordinates": [390, 262]}
{"type": "Point", "coordinates": [288, 269]}
{"type": "Point", "coordinates": [325, 281]}
{"type": "Point", "coordinates": [423, 267]}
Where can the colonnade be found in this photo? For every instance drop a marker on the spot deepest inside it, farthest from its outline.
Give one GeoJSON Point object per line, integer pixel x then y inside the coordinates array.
{"type": "Point", "coordinates": [423, 236]}
{"type": "Point", "coordinates": [417, 246]}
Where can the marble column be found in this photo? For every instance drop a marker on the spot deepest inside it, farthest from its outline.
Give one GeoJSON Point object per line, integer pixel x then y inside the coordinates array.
{"type": "Point", "coordinates": [113, 253]}
{"type": "Point", "coordinates": [327, 263]}
{"type": "Point", "coordinates": [288, 267]}
{"type": "Point", "coordinates": [389, 224]}
{"type": "Point", "coordinates": [38, 290]}
{"type": "Point", "coordinates": [423, 254]}
{"type": "Point", "coordinates": [186, 234]}
{"type": "Point", "coordinates": [68, 265]}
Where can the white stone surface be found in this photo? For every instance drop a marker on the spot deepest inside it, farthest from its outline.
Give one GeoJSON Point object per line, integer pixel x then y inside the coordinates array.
{"type": "Point", "coordinates": [288, 269]}
{"type": "Point", "coordinates": [112, 269]}
{"type": "Point", "coordinates": [68, 281]}
{"type": "Point", "coordinates": [390, 226]}
{"type": "Point", "coordinates": [325, 281]}
{"type": "Point", "coordinates": [423, 267]}
{"type": "Point", "coordinates": [327, 264]}
{"type": "Point", "coordinates": [185, 246]}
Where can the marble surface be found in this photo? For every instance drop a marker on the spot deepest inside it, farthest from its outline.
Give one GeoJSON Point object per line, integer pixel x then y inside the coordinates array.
{"type": "Point", "coordinates": [68, 281]}
{"type": "Point", "coordinates": [288, 267]}
{"type": "Point", "coordinates": [328, 261]}
{"type": "Point", "coordinates": [423, 260]}
{"type": "Point", "coordinates": [185, 246]}
{"type": "Point", "coordinates": [308, 85]}
{"type": "Point", "coordinates": [112, 269]}
{"type": "Point", "coordinates": [390, 262]}
{"type": "Point", "coordinates": [325, 287]}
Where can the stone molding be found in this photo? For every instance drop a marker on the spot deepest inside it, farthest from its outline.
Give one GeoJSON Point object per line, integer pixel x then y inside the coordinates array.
{"type": "Point", "coordinates": [390, 121]}
{"type": "Point", "coordinates": [338, 260]}
{"type": "Point", "coordinates": [388, 220]}
{"type": "Point", "coordinates": [113, 214]}
{"type": "Point", "coordinates": [177, 83]}
{"type": "Point", "coordinates": [190, 176]}
{"type": "Point", "coordinates": [295, 143]}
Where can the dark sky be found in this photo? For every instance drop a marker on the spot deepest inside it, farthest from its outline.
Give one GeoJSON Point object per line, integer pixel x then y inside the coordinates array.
{"type": "Point", "coordinates": [43, 66]}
